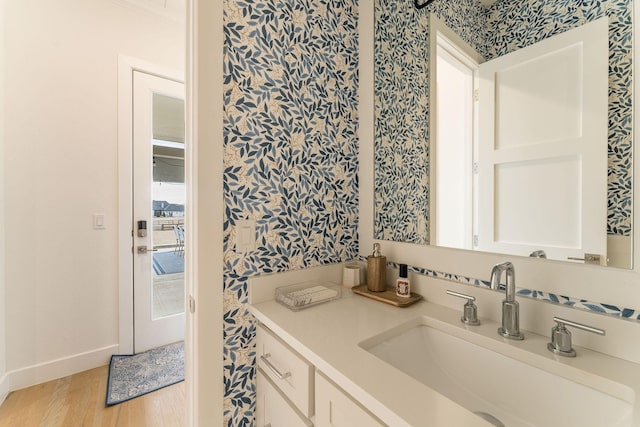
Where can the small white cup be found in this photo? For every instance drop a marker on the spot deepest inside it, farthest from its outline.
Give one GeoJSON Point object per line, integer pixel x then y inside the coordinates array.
{"type": "Point", "coordinates": [351, 275]}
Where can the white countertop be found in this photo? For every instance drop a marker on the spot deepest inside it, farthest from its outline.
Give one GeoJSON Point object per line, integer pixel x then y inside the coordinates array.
{"type": "Point", "coordinates": [328, 335]}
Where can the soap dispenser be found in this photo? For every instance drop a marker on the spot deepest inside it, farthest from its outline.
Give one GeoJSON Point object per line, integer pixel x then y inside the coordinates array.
{"type": "Point", "coordinates": [376, 270]}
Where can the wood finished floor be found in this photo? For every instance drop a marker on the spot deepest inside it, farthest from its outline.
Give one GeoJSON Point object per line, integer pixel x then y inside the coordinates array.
{"type": "Point", "coordinates": [78, 401]}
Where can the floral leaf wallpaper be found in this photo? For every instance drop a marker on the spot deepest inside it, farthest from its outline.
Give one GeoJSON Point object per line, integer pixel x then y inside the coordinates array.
{"type": "Point", "coordinates": [402, 110]}
{"type": "Point", "coordinates": [290, 156]}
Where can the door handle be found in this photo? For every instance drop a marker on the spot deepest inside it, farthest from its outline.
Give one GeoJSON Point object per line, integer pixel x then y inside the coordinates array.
{"type": "Point", "coordinates": [143, 250]}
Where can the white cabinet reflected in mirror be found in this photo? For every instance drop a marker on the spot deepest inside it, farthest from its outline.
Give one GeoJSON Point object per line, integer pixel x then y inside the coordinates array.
{"type": "Point", "coordinates": [527, 153]}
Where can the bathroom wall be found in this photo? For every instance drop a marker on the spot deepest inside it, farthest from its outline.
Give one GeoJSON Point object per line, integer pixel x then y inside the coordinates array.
{"type": "Point", "coordinates": [290, 156]}
{"type": "Point", "coordinates": [402, 128]}
{"type": "Point", "coordinates": [402, 110]}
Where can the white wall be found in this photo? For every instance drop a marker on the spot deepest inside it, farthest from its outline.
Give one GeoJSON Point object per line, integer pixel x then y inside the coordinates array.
{"type": "Point", "coordinates": [61, 150]}
{"type": "Point", "coordinates": [3, 351]}
{"type": "Point", "coordinates": [594, 283]}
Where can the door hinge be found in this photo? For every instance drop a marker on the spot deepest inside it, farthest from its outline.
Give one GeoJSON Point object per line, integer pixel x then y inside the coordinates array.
{"type": "Point", "coordinates": [475, 240]}
{"type": "Point", "coordinates": [476, 95]}
{"type": "Point", "coordinates": [192, 304]}
{"type": "Point", "coordinates": [475, 168]}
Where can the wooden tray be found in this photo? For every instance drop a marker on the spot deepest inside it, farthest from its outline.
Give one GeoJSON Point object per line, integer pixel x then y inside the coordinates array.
{"type": "Point", "coordinates": [389, 296]}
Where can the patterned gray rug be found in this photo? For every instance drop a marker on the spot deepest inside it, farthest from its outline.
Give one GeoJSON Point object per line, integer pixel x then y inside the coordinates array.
{"type": "Point", "coordinates": [136, 375]}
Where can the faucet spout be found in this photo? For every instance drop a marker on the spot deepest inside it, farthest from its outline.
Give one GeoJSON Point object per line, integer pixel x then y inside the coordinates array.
{"type": "Point", "coordinates": [496, 273]}
{"type": "Point", "coordinates": [510, 307]}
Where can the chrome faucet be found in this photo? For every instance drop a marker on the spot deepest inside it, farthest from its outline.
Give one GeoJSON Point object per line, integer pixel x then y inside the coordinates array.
{"type": "Point", "coordinates": [538, 254]}
{"type": "Point", "coordinates": [510, 307]}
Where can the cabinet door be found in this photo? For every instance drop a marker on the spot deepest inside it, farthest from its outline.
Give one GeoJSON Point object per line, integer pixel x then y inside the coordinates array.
{"type": "Point", "coordinates": [272, 409]}
{"type": "Point", "coordinates": [290, 372]}
{"type": "Point", "coordinates": [336, 409]}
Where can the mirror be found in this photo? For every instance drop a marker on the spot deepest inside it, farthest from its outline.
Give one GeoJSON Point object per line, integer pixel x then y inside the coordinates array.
{"type": "Point", "coordinates": [411, 185]}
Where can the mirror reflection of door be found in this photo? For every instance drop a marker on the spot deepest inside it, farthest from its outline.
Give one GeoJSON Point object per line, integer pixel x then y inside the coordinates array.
{"type": "Point", "coordinates": [159, 200]}
{"type": "Point", "coordinates": [543, 147]}
{"type": "Point", "coordinates": [538, 153]}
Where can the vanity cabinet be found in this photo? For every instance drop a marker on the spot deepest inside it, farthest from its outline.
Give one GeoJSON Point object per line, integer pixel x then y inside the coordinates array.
{"type": "Point", "coordinates": [287, 370]}
{"type": "Point", "coordinates": [335, 409]}
{"type": "Point", "coordinates": [290, 391]}
{"type": "Point", "coordinates": [272, 408]}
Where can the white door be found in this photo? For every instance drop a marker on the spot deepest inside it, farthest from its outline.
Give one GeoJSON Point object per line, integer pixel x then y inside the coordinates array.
{"type": "Point", "coordinates": [158, 211]}
{"type": "Point", "coordinates": [542, 154]}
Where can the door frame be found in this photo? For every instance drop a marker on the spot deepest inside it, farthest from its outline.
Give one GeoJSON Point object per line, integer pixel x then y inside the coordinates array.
{"type": "Point", "coordinates": [126, 66]}
{"type": "Point", "coordinates": [205, 170]}
{"type": "Point", "coordinates": [443, 37]}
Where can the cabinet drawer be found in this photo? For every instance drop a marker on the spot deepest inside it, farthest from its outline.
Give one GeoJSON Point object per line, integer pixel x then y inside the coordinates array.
{"type": "Point", "coordinates": [335, 409]}
{"type": "Point", "coordinates": [273, 409]}
{"type": "Point", "coordinates": [288, 371]}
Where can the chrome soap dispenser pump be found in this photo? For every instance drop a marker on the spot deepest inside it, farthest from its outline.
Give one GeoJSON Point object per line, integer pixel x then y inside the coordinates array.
{"type": "Point", "coordinates": [376, 270]}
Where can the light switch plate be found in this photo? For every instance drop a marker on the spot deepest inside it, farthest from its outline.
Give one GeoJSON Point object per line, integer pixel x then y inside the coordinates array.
{"type": "Point", "coordinates": [98, 222]}
{"type": "Point", "coordinates": [245, 236]}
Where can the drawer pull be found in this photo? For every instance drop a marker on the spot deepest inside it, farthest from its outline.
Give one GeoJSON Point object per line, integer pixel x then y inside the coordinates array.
{"type": "Point", "coordinates": [265, 359]}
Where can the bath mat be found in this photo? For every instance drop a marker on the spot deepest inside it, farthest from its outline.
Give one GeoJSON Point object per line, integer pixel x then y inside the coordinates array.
{"type": "Point", "coordinates": [132, 376]}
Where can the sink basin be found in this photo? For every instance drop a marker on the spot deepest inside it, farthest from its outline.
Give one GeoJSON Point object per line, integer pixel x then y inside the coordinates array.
{"type": "Point", "coordinates": [499, 388]}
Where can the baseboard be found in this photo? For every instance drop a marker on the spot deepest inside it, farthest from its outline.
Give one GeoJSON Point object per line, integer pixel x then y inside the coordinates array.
{"type": "Point", "coordinates": [43, 372]}
{"type": "Point", "coordinates": [4, 387]}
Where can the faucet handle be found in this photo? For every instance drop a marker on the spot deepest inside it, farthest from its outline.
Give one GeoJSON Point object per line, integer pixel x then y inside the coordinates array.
{"type": "Point", "coordinates": [561, 336]}
{"type": "Point", "coordinates": [470, 314]}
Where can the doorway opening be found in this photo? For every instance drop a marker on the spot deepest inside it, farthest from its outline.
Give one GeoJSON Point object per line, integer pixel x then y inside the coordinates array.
{"type": "Point", "coordinates": [454, 148]}
{"type": "Point", "coordinates": [453, 125]}
{"type": "Point", "coordinates": [152, 199]}
{"type": "Point", "coordinates": [158, 211]}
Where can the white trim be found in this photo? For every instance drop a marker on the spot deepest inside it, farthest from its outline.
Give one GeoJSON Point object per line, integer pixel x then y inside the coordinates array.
{"type": "Point", "coordinates": [4, 388]}
{"type": "Point", "coordinates": [126, 66]}
{"type": "Point", "coordinates": [190, 353]}
{"type": "Point", "coordinates": [54, 369]}
{"type": "Point", "coordinates": [635, 231]}
{"type": "Point", "coordinates": [205, 241]}
{"type": "Point", "coordinates": [366, 132]}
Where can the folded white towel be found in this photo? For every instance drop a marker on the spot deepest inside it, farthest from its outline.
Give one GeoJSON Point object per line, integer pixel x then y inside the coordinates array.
{"type": "Point", "coordinates": [312, 295]}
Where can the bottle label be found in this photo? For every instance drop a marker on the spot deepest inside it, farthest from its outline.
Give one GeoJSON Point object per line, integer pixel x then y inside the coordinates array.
{"type": "Point", "coordinates": [402, 289]}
